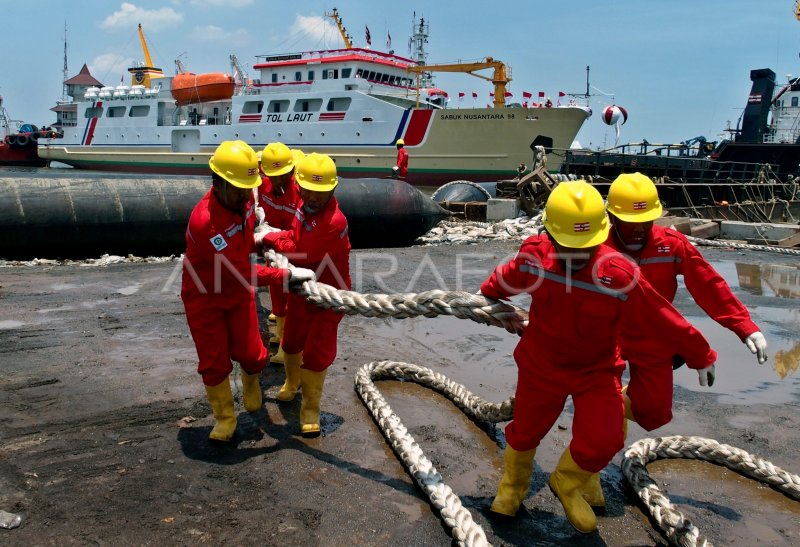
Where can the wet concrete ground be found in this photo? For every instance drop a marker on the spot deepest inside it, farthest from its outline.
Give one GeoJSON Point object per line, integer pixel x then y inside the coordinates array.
{"type": "Point", "coordinates": [99, 374]}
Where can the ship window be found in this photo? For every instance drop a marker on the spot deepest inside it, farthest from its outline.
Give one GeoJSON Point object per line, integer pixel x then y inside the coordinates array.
{"type": "Point", "coordinates": [338, 104]}
{"type": "Point", "coordinates": [794, 101]}
{"type": "Point", "coordinates": [346, 72]}
{"type": "Point", "coordinates": [278, 106]}
{"type": "Point", "coordinates": [310, 75]}
{"type": "Point", "coordinates": [385, 78]}
{"type": "Point", "coordinates": [275, 78]}
{"type": "Point", "coordinates": [371, 75]}
{"type": "Point", "coordinates": [139, 111]}
{"type": "Point", "coordinates": [359, 73]}
{"type": "Point", "coordinates": [253, 107]}
{"type": "Point", "coordinates": [298, 76]}
{"type": "Point", "coordinates": [94, 112]}
{"type": "Point", "coordinates": [115, 112]}
{"type": "Point", "coordinates": [310, 105]}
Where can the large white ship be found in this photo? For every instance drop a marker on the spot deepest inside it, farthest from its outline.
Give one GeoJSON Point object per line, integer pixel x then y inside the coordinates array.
{"type": "Point", "coordinates": [352, 103]}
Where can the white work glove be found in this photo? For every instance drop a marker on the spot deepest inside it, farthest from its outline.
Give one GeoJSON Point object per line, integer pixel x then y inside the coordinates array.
{"type": "Point", "coordinates": [261, 231]}
{"type": "Point", "coordinates": [301, 275]}
{"type": "Point", "coordinates": [260, 215]}
{"type": "Point", "coordinates": [707, 375]}
{"type": "Point", "coordinates": [757, 344]}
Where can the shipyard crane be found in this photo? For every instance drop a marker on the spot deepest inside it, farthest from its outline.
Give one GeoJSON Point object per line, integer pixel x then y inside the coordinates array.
{"type": "Point", "coordinates": [143, 73]}
{"type": "Point", "coordinates": [500, 78]}
{"type": "Point", "coordinates": [240, 77]}
{"type": "Point", "coordinates": [348, 40]}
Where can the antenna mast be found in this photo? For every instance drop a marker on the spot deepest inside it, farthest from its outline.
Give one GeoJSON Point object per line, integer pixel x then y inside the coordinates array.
{"type": "Point", "coordinates": [419, 37]}
{"type": "Point", "coordinates": [66, 72]}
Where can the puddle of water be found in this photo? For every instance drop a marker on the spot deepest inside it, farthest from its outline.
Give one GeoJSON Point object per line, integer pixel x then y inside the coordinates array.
{"type": "Point", "coordinates": [740, 379]}
{"type": "Point", "coordinates": [781, 281]}
{"type": "Point", "coordinates": [10, 324]}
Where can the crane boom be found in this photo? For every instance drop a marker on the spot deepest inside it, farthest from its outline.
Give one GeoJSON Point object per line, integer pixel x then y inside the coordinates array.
{"type": "Point", "coordinates": [500, 77]}
{"type": "Point", "coordinates": [348, 43]}
{"type": "Point", "coordinates": [147, 60]}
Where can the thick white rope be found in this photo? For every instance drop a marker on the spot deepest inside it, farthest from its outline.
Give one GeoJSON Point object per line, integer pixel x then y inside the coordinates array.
{"type": "Point", "coordinates": [464, 530]}
{"type": "Point", "coordinates": [744, 246]}
{"type": "Point", "coordinates": [676, 527]}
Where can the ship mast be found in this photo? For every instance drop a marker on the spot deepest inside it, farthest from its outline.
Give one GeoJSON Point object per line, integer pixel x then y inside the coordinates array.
{"type": "Point", "coordinates": [419, 37]}
{"type": "Point", "coordinates": [66, 71]}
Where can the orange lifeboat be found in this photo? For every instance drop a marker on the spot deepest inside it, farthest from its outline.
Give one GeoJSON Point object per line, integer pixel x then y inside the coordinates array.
{"type": "Point", "coordinates": [188, 87]}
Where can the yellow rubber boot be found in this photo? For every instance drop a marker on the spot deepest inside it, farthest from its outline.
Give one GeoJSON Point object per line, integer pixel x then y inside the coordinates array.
{"type": "Point", "coordinates": [291, 365]}
{"type": "Point", "coordinates": [221, 399]}
{"type": "Point", "coordinates": [251, 391]}
{"type": "Point", "coordinates": [309, 408]}
{"type": "Point", "coordinates": [515, 482]}
{"type": "Point", "coordinates": [278, 358]}
{"type": "Point", "coordinates": [568, 482]}
{"type": "Point", "coordinates": [276, 339]}
{"type": "Point", "coordinates": [593, 492]}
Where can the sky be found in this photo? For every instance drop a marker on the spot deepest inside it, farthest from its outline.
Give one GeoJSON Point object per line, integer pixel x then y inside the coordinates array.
{"type": "Point", "coordinates": [681, 68]}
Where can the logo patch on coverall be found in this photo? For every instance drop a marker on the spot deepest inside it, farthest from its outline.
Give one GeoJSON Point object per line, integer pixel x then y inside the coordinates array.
{"type": "Point", "coordinates": [662, 248]}
{"type": "Point", "coordinates": [218, 242]}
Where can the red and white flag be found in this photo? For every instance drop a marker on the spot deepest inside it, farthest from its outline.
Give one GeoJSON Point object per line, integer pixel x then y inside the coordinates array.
{"type": "Point", "coordinates": [541, 94]}
{"type": "Point", "coordinates": [562, 94]}
{"type": "Point", "coordinates": [491, 93]}
{"type": "Point", "coordinates": [508, 94]}
{"type": "Point", "coordinates": [527, 95]}
{"type": "Point", "coordinates": [474, 94]}
{"type": "Point", "coordinates": [461, 95]}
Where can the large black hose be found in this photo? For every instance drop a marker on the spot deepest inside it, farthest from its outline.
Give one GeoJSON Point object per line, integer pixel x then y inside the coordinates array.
{"type": "Point", "coordinates": [74, 216]}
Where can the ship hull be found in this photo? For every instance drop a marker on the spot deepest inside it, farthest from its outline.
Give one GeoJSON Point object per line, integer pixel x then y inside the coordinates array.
{"type": "Point", "coordinates": [443, 145]}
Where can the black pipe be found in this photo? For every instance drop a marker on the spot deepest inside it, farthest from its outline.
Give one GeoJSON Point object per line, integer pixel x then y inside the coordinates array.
{"type": "Point", "coordinates": [74, 216]}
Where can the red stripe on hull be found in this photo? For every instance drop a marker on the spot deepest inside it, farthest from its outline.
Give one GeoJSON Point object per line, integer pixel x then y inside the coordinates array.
{"type": "Point", "coordinates": [417, 127]}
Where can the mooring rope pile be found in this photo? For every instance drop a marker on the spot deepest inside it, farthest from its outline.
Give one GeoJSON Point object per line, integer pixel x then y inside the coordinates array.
{"type": "Point", "coordinates": [677, 528]}
{"type": "Point", "coordinates": [454, 232]}
{"type": "Point", "coordinates": [464, 529]}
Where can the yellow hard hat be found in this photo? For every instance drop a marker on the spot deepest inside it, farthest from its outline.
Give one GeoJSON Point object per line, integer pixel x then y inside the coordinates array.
{"type": "Point", "coordinates": [298, 155]}
{"type": "Point", "coordinates": [400, 141]}
{"type": "Point", "coordinates": [633, 197]}
{"type": "Point", "coordinates": [236, 162]}
{"type": "Point", "coordinates": [277, 159]}
{"type": "Point", "coordinates": [317, 172]}
{"type": "Point", "coordinates": [575, 215]}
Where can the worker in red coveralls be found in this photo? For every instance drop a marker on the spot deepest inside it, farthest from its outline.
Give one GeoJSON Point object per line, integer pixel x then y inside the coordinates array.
{"type": "Point", "coordinates": [217, 287]}
{"type": "Point", "coordinates": [279, 199]}
{"type": "Point", "coordinates": [400, 170]}
{"type": "Point", "coordinates": [582, 294]}
{"type": "Point", "coordinates": [318, 240]}
{"type": "Point", "coordinates": [662, 255]}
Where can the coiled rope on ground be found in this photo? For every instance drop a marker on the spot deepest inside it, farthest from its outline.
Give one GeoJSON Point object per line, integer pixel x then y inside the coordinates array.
{"type": "Point", "coordinates": [743, 246]}
{"type": "Point", "coordinates": [676, 527]}
{"type": "Point", "coordinates": [465, 531]}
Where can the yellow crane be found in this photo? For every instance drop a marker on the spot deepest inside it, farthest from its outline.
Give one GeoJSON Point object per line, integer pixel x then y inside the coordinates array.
{"type": "Point", "coordinates": [500, 77]}
{"type": "Point", "coordinates": [348, 41]}
{"type": "Point", "coordinates": [143, 73]}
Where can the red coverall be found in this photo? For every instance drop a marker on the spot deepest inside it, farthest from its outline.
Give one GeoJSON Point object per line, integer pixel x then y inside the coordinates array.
{"type": "Point", "coordinates": [280, 209]}
{"type": "Point", "coordinates": [402, 162]}
{"type": "Point", "coordinates": [570, 346]}
{"type": "Point", "coordinates": [217, 289]}
{"type": "Point", "coordinates": [666, 255]}
{"type": "Point", "coordinates": [318, 242]}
